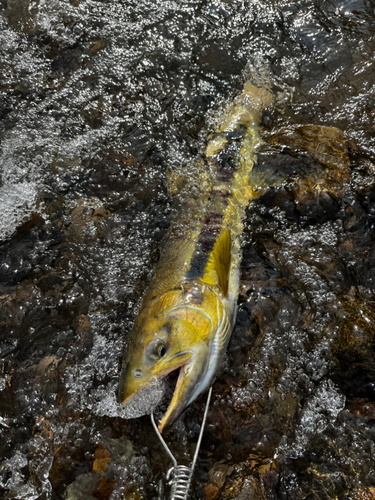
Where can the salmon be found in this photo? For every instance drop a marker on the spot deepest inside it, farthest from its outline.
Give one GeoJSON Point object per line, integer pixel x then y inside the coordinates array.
{"type": "Point", "coordinates": [188, 311]}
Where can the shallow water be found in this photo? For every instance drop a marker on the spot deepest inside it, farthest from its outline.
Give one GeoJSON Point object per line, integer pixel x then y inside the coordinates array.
{"type": "Point", "coordinates": [98, 102]}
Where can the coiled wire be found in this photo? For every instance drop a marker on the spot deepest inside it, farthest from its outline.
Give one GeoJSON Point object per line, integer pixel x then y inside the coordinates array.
{"type": "Point", "coordinates": [179, 477]}
{"type": "Point", "coordinates": [180, 482]}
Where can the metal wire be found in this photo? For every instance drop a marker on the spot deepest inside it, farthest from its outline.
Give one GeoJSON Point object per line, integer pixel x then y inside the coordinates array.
{"type": "Point", "coordinates": [179, 477]}
{"type": "Point", "coordinates": [180, 482]}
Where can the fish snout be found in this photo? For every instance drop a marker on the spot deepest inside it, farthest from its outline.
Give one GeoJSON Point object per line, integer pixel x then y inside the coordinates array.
{"type": "Point", "coordinates": [131, 380]}
{"type": "Point", "coordinates": [139, 394]}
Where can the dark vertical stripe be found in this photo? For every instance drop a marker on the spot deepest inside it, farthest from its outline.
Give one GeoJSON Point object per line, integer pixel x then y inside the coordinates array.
{"type": "Point", "coordinates": [205, 244]}
{"type": "Point", "coordinates": [225, 170]}
{"type": "Point", "coordinates": [226, 164]}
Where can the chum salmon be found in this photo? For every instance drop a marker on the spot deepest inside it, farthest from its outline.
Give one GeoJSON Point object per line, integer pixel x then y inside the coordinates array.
{"type": "Point", "coordinates": [188, 311]}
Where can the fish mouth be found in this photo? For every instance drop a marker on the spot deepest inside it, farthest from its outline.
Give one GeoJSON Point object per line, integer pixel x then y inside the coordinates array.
{"type": "Point", "coordinates": [166, 378]}
{"type": "Point", "coordinates": [143, 402]}
{"type": "Point", "coordinates": [175, 401]}
{"type": "Point", "coordinates": [158, 392]}
{"type": "Point", "coordinates": [169, 381]}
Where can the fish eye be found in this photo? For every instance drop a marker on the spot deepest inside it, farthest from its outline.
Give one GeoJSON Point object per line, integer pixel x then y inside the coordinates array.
{"type": "Point", "coordinates": [137, 372]}
{"type": "Point", "coordinates": [162, 349]}
{"type": "Point", "coordinates": [157, 350]}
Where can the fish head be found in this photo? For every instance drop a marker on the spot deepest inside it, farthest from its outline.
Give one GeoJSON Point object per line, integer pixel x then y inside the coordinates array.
{"type": "Point", "coordinates": [177, 339]}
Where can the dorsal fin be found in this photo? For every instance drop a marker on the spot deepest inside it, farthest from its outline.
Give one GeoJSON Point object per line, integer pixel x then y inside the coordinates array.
{"type": "Point", "coordinates": [217, 268]}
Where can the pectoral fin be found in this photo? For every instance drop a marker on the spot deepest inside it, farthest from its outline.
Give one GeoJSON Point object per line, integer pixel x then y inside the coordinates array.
{"type": "Point", "coordinates": [217, 268]}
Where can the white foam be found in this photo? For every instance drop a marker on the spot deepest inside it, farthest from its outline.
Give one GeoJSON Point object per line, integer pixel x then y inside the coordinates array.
{"type": "Point", "coordinates": [17, 201]}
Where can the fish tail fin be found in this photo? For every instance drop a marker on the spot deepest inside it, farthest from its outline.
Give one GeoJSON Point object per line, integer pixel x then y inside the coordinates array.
{"type": "Point", "coordinates": [258, 72]}
{"type": "Point", "coordinates": [260, 80]}
{"type": "Point", "coordinates": [239, 120]}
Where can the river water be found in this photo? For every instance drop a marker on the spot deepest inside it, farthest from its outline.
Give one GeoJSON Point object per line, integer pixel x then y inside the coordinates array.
{"type": "Point", "coordinates": [100, 104]}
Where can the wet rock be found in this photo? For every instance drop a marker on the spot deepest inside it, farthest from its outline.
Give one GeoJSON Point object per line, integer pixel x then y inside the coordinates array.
{"type": "Point", "coordinates": [12, 304]}
{"type": "Point", "coordinates": [219, 473]}
{"type": "Point", "coordinates": [251, 490]}
{"type": "Point", "coordinates": [84, 487]}
{"type": "Point", "coordinates": [109, 472]}
{"type": "Point", "coordinates": [365, 494]}
{"type": "Point", "coordinates": [115, 178]}
{"type": "Point", "coordinates": [102, 457]}
{"type": "Point", "coordinates": [22, 14]}
{"type": "Point", "coordinates": [83, 330]}
{"type": "Point", "coordinates": [211, 491]}
{"type": "Point", "coordinates": [354, 347]}
{"type": "Point", "coordinates": [325, 144]}
{"type": "Point", "coordinates": [35, 220]}
{"type": "Point", "coordinates": [45, 364]}
{"type": "Point", "coordinates": [83, 212]}
{"type": "Point", "coordinates": [241, 480]}
{"type": "Point", "coordinates": [317, 160]}
{"type": "Point", "coordinates": [362, 408]}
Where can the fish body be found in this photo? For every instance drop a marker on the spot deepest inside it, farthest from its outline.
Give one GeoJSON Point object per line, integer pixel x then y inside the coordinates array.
{"type": "Point", "coordinates": [188, 311]}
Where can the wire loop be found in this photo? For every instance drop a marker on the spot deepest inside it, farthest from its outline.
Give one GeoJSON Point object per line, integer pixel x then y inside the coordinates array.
{"type": "Point", "coordinates": [179, 477]}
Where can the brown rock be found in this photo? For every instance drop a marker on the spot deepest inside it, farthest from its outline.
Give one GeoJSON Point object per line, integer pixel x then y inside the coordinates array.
{"type": "Point", "coordinates": [325, 144]}
{"type": "Point", "coordinates": [84, 211]}
{"type": "Point", "coordinates": [104, 490]}
{"type": "Point", "coordinates": [211, 491]}
{"type": "Point", "coordinates": [362, 408]}
{"type": "Point", "coordinates": [218, 474]}
{"type": "Point", "coordinates": [97, 46]}
{"type": "Point", "coordinates": [45, 363]}
{"type": "Point", "coordinates": [251, 490]}
{"type": "Point", "coordinates": [365, 494]}
{"type": "Point", "coordinates": [102, 458]}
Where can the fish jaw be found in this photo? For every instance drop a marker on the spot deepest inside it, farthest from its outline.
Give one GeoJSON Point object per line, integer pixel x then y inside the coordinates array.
{"type": "Point", "coordinates": [133, 387]}
{"type": "Point", "coordinates": [188, 386]}
{"type": "Point", "coordinates": [191, 373]}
